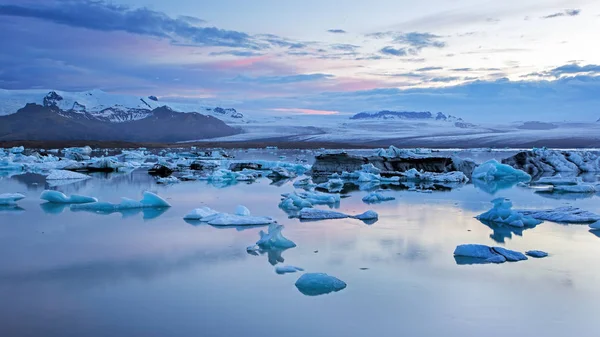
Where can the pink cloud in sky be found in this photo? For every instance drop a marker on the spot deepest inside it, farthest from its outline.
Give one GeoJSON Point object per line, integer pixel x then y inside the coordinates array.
{"type": "Point", "coordinates": [307, 111]}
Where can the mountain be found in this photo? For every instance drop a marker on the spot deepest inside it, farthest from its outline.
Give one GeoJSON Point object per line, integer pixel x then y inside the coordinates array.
{"type": "Point", "coordinates": [411, 115]}
{"type": "Point", "coordinates": [102, 106]}
{"type": "Point", "coordinates": [162, 124]}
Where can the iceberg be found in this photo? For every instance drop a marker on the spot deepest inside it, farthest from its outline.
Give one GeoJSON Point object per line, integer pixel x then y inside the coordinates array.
{"type": "Point", "coordinates": [486, 254]}
{"type": "Point", "coordinates": [167, 180]}
{"type": "Point", "coordinates": [321, 214]}
{"type": "Point", "coordinates": [493, 170]}
{"type": "Point", "coordinates": [299, 200]}
{"type": "Point", "coordinates": [200, 213]}
{"type": "Point", "coordinates": [566, 214]}
{"type": "Point", "coordinates": [305, 182]}
{"type": "Point", "coordinates": [502, 213]}
{"type": "Point", "coordinates": [557, 180]}
{"type": "Point", "coordinates": [215, 218]}
{"type": "Point", "coordinates": [595, 225]}
{"type": "Point", "coordinates": [447, 177]}
{"type": "Point", "coordinates": [332, 185]}
{"type": "Point", "coordinates": [149, 200]}
{"type": "Point", "coordinates": [280, 172]}
{"type": "Point", "coordinates": [543, 160]}
{"type": "Point", "coordinates": [17, 150]}
{"type": "Point", "coordinates": [242, 210]}
{"type": "Point", "coordinates": [10, 199]}
{"type": "Point", "coordinates": [287, 269]}
{"type": "Point", "coordinates": [536, 253]}
{"type": "Point", "coordinates": [66, 175]}
{"type": "Point", "coordinates": [315, 284]}
{"type": "Point", "coordinates": [274, 239]}
{"type": "Point", "coordinates": [60, 198]}
{"type": "Point", "coordinates": [374, 197]}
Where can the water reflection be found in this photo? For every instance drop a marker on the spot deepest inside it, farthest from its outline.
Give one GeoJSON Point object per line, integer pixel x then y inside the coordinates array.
{"type": "Point", "coordinates": [502, 232]}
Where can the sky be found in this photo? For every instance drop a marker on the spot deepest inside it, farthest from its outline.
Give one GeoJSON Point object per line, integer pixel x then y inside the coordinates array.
{"type": "Point", "coordinates": [481, 60]}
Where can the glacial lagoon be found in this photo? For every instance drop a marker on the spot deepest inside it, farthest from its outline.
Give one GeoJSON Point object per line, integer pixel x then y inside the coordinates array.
{"type": "Point", "coordinates": [148, 272]}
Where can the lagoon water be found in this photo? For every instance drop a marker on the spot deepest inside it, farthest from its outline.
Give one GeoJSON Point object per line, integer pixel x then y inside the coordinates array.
{"type": "Point", "coordinates": [65, 273]}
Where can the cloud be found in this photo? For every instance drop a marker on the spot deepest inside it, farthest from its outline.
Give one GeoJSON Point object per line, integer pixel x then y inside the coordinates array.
{"type": "Point", "coordinates": [345, 47]}
{"type": "Point", "coordinates": [283, 79]}
{"type": "Point", "coordinates": [419, 40]}
{"type": "Point", "coordinates": [429, 68]}
{"type": "Point", "coordinates": [575, 69]}
{"type": "Point", "coordinates": [103, 16]}
{"type": "Point", "coordinates": [241, 53]}
{"type": "Point", "coordinates": [306, 111]}
{"type": "Point", "coordinates": [336, 31]}
{"type": "Point", "coordinates": [444, 79]}
{"type": "Point", "coordinates": [394, 51]}
{"type": "Point", "coordinates": [566, 12]}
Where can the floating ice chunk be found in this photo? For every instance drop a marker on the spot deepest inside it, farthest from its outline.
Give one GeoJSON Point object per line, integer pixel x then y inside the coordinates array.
{"type": "Point", "coordinates": [85, 150]}
{"type": "Point", "coordinates": [558, 180]}
{"type": "Point", "coordinates": [447, 177]}
{"type": "Point", "coordinates": [321, 214]}
{"type": "Point", "coordinates": [274, 239]}
{"type": "Point", "coordinates": [304, 182]}
{"type": "Point", "coordinates": [167, 180]}
{"type": "Point", "coordinates": [370, 168]}
{"type": "Point", "coordinates": [149, 200]}
{"type": "Point", "coordinates": [66, 175]}
{"type": "Point", "coordinates": [510, 255]}
{"type": "Point", "coordinates": [475, 250]}
{"type": "Point", "coordinates": [17, 149]}
{"type": "Point", "coordinates": [544, 160]}
{"type": "Point", "coordinates": [375, 197]}
{"type": "Point", "coordinates": [226, 219]}
{"type": "Point", "coordinates": [567, 214]}
{"type": "Point", "coordinates": [287, 269]}
{"type": "Point", "coordinates": [200, 213]}
{"type": "Point", "coordinates": [293, 202]}
{"type": "Point", "coordinates": [496, 259]}
{"type": "Point", "coordinates": [502, 213]}
{"type": "Point", "coordinates": [6, 164]}
{"type": "Point", "coordinates": [581, 188]}
{"type": "Point", "coordinates": [282, 173]}
{"type": "Point", "coordinates": [333, 185]}
{"type": "Point", "coordinates": [536, 253]}
{"type": "Point", "coordinates": [493, 170]}
{"type": "Point", "coordinates": [60, 198]}
{"type": "Point", "coordinates": [105, 164]}
{"type": "Point", "coordinates": [368, 215]}
{"type": "Point", "coordinates": [315, 284]}
{"type": "Point", "coordinates": [242, 210]}
{"type": "Point", "coordinates": [10, 199]}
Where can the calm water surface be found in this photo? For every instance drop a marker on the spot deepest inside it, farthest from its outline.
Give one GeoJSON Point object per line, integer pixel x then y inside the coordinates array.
{"type": "Point", "coordinates": [65, 273]}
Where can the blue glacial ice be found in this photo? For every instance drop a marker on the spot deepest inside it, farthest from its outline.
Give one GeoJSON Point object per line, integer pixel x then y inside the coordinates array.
{"type": "Point", "coordinates": [374, 197]}
{"type": "Point", "coordinates": [215, 218]}
{"type": "Point", "coordinates": [315, 284]}
{"type": "Point", "coordinates": [510, 255]}
{"type": "Point", "coordinates": [447, 177]}
{"type": "Point", "coordinates": [149, 200]}
{"type": "Point", "coordinates": [536, 253]}
{"type": "Point", "coordinates": [332, 185]}
{"type": "Point", "coordinates": [167, 180]}
{"type": "Point", "coordinates": [493, 170]}
{"type": "Point", "coordinates": [60, 198]}
{"type": "Point", "coordinates": [273, 238]}
{"type": "Point", "coordinates": [595, 225]}
{"type": "Point", "coordinates": [566, 214]}
{"type": "Point", "coordinates": [305, 182]}
{"type": "Point", "coordinates": [242, 210]}
{"type": "Point", "coordinates": [502, 213]}
{"type": "Point", "coordinates": [298, 200]}
{"type": "Point", "coordinates": [287, 269]}
{"type": "Point", "coordinates": [321, 214]}
{"type": "Point", "coordinates": [200, 213]}
{"type": "Point", "coordinates": [10, 199]}
{"type": "Point", "coordinates": [66, 175]}
{"type": "Point", "coordinates": [481, 254]}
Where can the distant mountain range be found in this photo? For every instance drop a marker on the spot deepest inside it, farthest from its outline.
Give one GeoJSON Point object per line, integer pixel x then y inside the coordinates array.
{"type": "Point", "coordinates": [96, 115]}
{"type": "Point", "coordinates": [411, 115]}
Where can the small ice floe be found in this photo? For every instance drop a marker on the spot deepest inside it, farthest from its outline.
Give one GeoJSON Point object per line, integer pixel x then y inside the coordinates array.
{"type": "Point", "coordinates": [536, 253]}
{"type": "Point", "coordinates": [281, 173]}
{"type": "Point", "coordinates": [17, 150]}
{"type": "Point", "coordinates": [149, 200]}
{"type": "Point", "coordinates": [315, 284]}
{"type": "Point", "coordinates": [480, 254]}
{"type": "Point", "coordinates": [305, 182]}
{"type": "Point", "coordinates": [493, 170]}
{"type": "Point", "coordinates": [566, 214]}
{"type": "Point", "coordinates": [272, 239]}
{"type": "Point", "coordinates": [374, 197]}
{"type": "Point", "coordinates": [322, 214]}
{"type": "Point", "coordinates": [447, 177]}
{"type": "Point", "coordinates": [66, 175]}
{"type": "Point", "coordinates": [242, 210]}
{"type": "Point", "coordinates": [595, 226]}
{"type": "Point", "coordinates": [224, 175]}
{"type": "Point", "coordinates": [582, 188]}
{"type": "Point", "coordinates": [60, 198]}
{"type": "Point", "coordinates": [299, 200]}
{"type": "Point", "coordinates": [215, 218]}
{"type": "Point", "coordinates": [287, 269]}
{"type": "Point", "coordinates": [332, 185]}
{"type": "Point", "coordinates": [557, 180]}
{"type": "Point", "coordinates": [502, 213]}
{"type": "Point", "coordinates": [10, 199]}
{"type": "Point", "coordinates": [167, 180]}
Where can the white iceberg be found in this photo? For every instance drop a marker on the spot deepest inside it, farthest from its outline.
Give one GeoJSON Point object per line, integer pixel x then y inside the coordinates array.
{"type": "Point", "coordinates": [493, 170]}
{"type": "Point", "coordinates": [149, 200]}
{"type": "Point", "coordinates": [375, 197]}
{"type": "Point", "coordinates": [558, 180]}
{"type": "Point", "coordinates": [282, 173]}
{"type": "Point", "coordinates": [299, 200]}
{"type": "Point", "coordinates": [287, 269]}
{"type": "Point", "coordinates": [332, 185]}
{"type": "Point", "coordinates": [567, 214]}
{"type": "Point", "coordinates": [446, 177]}
{"type": "Point", "coordinates": [10, 199]}
{"type": "Point", "coordinates": [536, 253]}
{"type": "Point", "coordinates": [544, 160]}
{"type": "Point", "coordinates": [66, 175]}
{"type": "Point", "coordinates": [321, 214]}
{"type": "Point", "coordinates": [581, 188]}
{"type": "Point", "coordinates": [200, 213]}
{"type": "Point", "coordinates": [315, 284]}
{"type": "Point", "coordinates": [60, 198]}
{"type": "Point", "coordinates": [167, 180]}
{"type": "Point", "coordinates": [215, 218]}
{"type": "Point", "coordinates": [502, 213]}
{"type": "Point", "coordinates": [305, 182]}
{"type": "Point", "coordinates": [242, 210]}
{"type": "Point", "coordinates": [17, 150]}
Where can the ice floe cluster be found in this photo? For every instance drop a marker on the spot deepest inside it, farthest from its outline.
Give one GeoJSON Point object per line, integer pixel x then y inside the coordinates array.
{"type": "Point", "coordinates": [542, 160]}
{"type": "Point", "coordinates": [481, 254]}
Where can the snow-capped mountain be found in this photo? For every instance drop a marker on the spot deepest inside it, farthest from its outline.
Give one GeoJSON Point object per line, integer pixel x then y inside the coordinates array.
{"type": "Point", "coordinates": [411, 115]}
{"type": "Point", "coordinates": [102, 106]}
